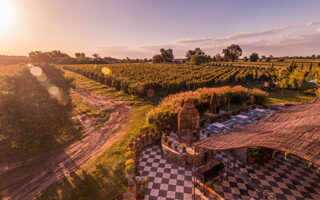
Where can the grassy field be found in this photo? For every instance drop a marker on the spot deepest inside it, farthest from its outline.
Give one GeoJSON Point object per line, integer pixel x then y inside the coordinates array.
{"type": "Point", "coordinates": [289, 95]}
{"type": "Point", "coordinates": [147, 80]}
{"type": "Point", "coordinates": [103, 176]}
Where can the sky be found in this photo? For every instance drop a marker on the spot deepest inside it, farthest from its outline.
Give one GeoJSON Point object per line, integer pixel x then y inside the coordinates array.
{"type": "Point", "coordinates": [139, 28]}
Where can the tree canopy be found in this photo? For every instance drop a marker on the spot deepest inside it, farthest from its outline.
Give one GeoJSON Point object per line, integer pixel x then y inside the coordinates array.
{"type": "Point", "coordinates": [167, 55]}
{"type": "Point", "coordinates": [254, 57]}
{"type": "Point", "coordinates": [157, 59]}
{"type": "Point", "coordinates": [35, 108]}
{"type": "Point", "coordinates": [196, 51]}
{"type": "Point", "coordinates": [199, 59]}
{"type": "Point", "coordinates": [232, 52]}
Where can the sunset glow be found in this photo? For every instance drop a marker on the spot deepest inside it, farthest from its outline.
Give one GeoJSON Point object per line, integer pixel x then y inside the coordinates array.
{"type": "Point", "coordinates": [6, 15]}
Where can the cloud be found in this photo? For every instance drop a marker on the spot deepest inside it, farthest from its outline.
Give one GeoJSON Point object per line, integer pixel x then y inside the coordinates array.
{"type": "Point", "coordinates": [237, 36]}
{"type": "Point", "coordinates": [292, 45]}
{"type": "Point", "coordinates": [276, 42]}
{"type": "Point", "coordinates": [313, 23]}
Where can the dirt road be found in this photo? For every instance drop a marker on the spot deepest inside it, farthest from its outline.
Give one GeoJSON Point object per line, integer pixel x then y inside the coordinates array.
{"type": "Point", "coordinates": [26, 182]}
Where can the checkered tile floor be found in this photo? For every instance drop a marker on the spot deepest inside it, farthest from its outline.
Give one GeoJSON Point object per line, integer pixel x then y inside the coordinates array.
{"type": "Point", "coordinates": [166, 180]}
{"type": "Point", "coordinates": [290, 179]}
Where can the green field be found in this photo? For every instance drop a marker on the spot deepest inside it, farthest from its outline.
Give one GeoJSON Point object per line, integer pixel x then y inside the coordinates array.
{"type": "Point", "coordinates": [145, 79]}
{"type": "Point", "coordinates": [103, 176]}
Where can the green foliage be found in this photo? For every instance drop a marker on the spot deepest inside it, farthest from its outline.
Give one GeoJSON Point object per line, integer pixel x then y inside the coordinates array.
{"type": "Point", "coordinates": [199, 59]}
{"type": "Point", "coordinates": [130, 162]}
{"type": "Point", "coordinates": [259, 96]}
{"type": "Point", "coordinates": [138, 78]}
{"type": "Point", "coordinates": [157, 59]}
{"type": "Point", "coordinates": [232, 52]}
{"type": "Point", "coordinates": [167, 55]}
{"type": "Point", "coordinates": [197, 51]}
{"type": "Point", "coordinates": [244, 107]}
{"type": "Point", "coordinates": [254, 152]}
{"type": "Point", "coordinates": [130, 167]}
{"type": "Point", "coordinates": [129, 155]}
{"type": "Point", "coordinates": [167, 111]}
{"type": "Point", "coordinates": [254, 57]}
{"type": "Point", "coordinates": [31, 116]}
{"type": "Point", "coordinates": [318, 92]}
{"type": "Point", "coordinates": [292, 66]}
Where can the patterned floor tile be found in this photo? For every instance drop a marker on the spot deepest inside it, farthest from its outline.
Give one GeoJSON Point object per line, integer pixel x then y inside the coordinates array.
{"type": "Point", "coordinates": [290, 179]}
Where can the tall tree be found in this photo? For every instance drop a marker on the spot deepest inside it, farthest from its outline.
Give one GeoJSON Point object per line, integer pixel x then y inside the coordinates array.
{"type": "Point", "coordinates": [218, 57]}
{"type": "Point", "coordinates": [157, 59]}
{"type": "Point", "coordinates": [254, 57]}
{"type": "Point", "coordinates": [199, 59]}
{"type": "Point", "coordinates": [80, 55]}
{"type": "Point", "coordinates": [35, 108]}
{"type": "Point", "coordinates": [232, 52]}
{"type": "Point", "coordinates": [197, 51]}
{"type": "Point", "coordinates": [96, 56]}
{"type": "Point", "coordinates": [167, 55]}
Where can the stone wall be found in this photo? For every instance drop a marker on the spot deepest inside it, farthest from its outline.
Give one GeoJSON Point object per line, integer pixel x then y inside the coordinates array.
{"type": "Point", "coordinates": [185, 159]}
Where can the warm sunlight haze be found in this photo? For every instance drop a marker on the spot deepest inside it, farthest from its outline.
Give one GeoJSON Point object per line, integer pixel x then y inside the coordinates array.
{"type": "Point", "coordinates": [7, 15]}
{"type": "Point", "coordinates": [159, 100]}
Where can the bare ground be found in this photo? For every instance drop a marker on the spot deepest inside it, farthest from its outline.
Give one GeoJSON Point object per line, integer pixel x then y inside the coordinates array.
{"type": "Point", "coordinates": [28, 180]}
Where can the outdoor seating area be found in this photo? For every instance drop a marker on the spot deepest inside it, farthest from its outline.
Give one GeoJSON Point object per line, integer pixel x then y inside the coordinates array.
{"type": "Point", "coordinates": [206, 164]}
{"type": "Point", "coordinates": [182, 152]}
{"type": "Point", "coordinates": [237, 120]}
{"type": "Point", "coordinates": [291, 179]}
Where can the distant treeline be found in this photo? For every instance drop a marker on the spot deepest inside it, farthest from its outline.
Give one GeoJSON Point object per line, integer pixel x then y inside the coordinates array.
{"type": "Point", "coordinates": [59, 57]}
{"type": "Point", "coordinates": [8, 60]}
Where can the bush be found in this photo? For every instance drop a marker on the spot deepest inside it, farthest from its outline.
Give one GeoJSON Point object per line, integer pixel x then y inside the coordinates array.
{"type": "Point", "coordinates": [130, 162]}
{"type": "Point", "coordinates": [35, 109]}
{"type": "Point", "coordinates": [199, 59]}
{"type": "Point", "coordinates": [166, 113]}
{"type": "Point", "coordinates": [259, 96]}
{"type": "Point", "coordinates": [310, 91]}
{"type": "Point", "coordinates": [318, 92]}
{"type": "Point", "coordinates": [129, 155]}
{"type": "Point", "coordinates": [157, 59]}
{"type": "Point", "coordinates": [130, 167]}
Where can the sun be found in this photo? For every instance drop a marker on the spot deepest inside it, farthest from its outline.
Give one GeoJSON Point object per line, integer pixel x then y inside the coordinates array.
{"type": "Point", "coordinates": [6, 15]}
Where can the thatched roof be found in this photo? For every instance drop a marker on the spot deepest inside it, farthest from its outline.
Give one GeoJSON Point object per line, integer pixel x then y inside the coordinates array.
{"type": "Point", "coordinates": [295, 129]}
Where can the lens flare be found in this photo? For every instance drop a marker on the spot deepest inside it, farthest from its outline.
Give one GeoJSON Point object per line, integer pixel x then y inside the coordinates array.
{"type": "Point", "coordinates": [36, 71]}
{"type": "Point", "coordinates": [54, 90]}
{"type": "Point", "coordinates": [150, 93]}
{"type": "Point", "coordinates": [139, 88]}
{"type": "Point", "coordinates": [42, 77]}
{"type": "Point", "coordinates": [105, 70]}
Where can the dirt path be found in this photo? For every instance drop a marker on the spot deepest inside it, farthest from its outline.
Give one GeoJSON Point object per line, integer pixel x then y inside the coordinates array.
{"type": "Point", "coordinates": [40, 174]}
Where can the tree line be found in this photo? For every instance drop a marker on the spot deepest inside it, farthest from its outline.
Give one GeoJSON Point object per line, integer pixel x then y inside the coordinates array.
{"type": "Point", "coordinates": [58, 57]}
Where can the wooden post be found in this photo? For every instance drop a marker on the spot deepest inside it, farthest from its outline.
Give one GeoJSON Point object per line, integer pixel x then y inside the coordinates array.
{"type": "Point", "coordinates": [234, 160]}
{"type": "Point", "coordinates": [194, 172]}
{"type": "Point", "coordinates": [228, 163]}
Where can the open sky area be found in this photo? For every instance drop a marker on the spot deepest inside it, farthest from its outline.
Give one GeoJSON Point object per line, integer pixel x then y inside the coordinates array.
{"type": "Point", "coordinates": [139, 28]}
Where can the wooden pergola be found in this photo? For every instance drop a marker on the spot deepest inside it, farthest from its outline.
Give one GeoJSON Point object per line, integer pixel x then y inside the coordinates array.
{"type": "Point", "coordinates": [294, 130]}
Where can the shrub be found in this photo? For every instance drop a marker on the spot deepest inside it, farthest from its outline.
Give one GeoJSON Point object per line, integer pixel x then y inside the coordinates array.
{"type": "Point", "coordinates": [130, 162]}
{"type": "Point", "coordinates": [166, 113]}
{"type": "Point", "coordinates": [129, 154]}
{"type": "Point", "coordinates": [35, 109]}
{"type": "Point", "coordinates": [157, 59]}
{"type": "Point", "coordinates": [130, 167]}
{"type": "Point", "coordinates": [199, 59]}
{"type": "Point", "coordinates": [259, 96]}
